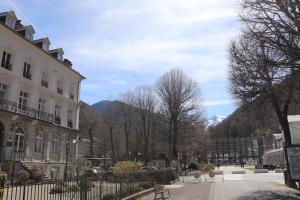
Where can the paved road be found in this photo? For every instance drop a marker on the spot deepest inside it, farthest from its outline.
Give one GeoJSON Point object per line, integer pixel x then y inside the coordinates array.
{"type": "Point", "coordinates": [247, 186]}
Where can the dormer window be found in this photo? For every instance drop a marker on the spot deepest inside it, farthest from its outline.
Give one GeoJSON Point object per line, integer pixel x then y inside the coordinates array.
{"type": "Point", "coordinates": [26, 31]}
{"type": "Point", "coordinates": [27, 71]}
{"type": "Point", "coordinates": [44, 81]}
{"type": "Point", "coordinates": [9, 19]}
{"type": "Point", "coordinates": [57, 53]}
{"type": "Point", "coordinates": [6, 60]}
{"type": "Point", "coordinates": [43, 43]}
{"type": "Point", "coordinates": [60, 87]}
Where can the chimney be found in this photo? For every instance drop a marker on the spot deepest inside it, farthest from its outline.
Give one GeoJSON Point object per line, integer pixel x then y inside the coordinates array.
{"type": "Point", "coordinates": [68, 62]}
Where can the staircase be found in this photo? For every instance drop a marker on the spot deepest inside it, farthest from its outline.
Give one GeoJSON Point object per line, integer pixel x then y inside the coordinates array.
{"type": "Point", "coordinates": [26, 167]}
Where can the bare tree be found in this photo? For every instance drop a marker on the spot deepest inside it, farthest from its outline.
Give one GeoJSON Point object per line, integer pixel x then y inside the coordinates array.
{"type": "Point", "coordinates": [145, 103]}
{"type": "Point", "coordinates": [257, 74]}
{"type": "Point", "coordinates": [110, 117]}
{"type": "Point", "coordinates": [278, 23]}
{"type": "Point", "coordinates": [88, 121]}
{"type": "Point", "coordinates": [127, 110]}
{"type": "Point", "coordinates": [179, 95]}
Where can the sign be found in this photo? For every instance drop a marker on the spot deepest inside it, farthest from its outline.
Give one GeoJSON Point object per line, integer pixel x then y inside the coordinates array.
{"type": "Point", "coordinates": [293, 157]}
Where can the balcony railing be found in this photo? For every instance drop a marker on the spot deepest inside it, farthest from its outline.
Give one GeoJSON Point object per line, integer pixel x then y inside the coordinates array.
{"type": "Point", "coordinates": [70, 124]}
{"type": "Point", "coordinates": [25, 110]}
{"type": "Point", "coordinates": [57, 120]}
{"type": "Point", "coordinates": [44, 83]}
{"type": "Point", "coordinates": [12, 154]}
{"type": "Point", "coordinates": [7, 66]}
{"type": "Point", "coordinates": [27, 75]}
{"type": "Point", "coordinates": [59, 90]}
{"type": "Point", "coordinates": [71, 96]}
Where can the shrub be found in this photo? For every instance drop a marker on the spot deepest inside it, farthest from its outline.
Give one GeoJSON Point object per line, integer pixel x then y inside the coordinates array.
{"type": "Point", "coordinates": [207, 167]}
{"type": "Point", "coordinates": [193, 166]}
{"type": "Point", "coordinates": [37, 176]}
{"type": "Point", "coordinates": [108, 197]}
{"type": "Point", "coordinates": [124, 167]}
{"type": "Point", "coordinates": [22, 176]}
{"type": "Point", "coordinates": [3, 179]}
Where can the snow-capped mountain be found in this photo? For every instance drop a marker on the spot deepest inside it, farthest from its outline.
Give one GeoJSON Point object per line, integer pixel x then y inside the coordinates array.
{"type": "Point", "coordinates": [215, 120]}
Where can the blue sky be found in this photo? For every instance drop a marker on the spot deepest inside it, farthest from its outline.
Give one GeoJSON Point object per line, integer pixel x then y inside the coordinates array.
{"type": "Point", "coordinates": [121, 44]}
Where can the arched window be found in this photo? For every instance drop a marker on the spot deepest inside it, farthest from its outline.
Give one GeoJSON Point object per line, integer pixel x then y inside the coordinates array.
{"type": "Point", "coordinates": [38, 144]}
{"type": "Point", "coordinates": [19, 140]}
{"type": "Point", "coordinates": [55, 145]}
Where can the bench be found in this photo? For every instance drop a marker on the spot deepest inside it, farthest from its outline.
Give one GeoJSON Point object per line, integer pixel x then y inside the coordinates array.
{"type": "Point", "coordinates": [160, 191]}
{"type": "Point", "coordinates": [239, 172]}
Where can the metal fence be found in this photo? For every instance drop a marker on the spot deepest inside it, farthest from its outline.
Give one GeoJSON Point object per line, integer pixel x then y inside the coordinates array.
{"type": "Point", "coordinates": [96, 188]}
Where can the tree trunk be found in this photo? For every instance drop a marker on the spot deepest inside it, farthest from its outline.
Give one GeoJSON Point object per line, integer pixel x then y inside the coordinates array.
{"type": "Point", "coordinates": [91, 143]}
{"type": "Point", "coordinates": [174, 150]}
{"type": "Point", "coordinates": [112, 143]}
{"type": "Point", "coordinates": [170, 143]}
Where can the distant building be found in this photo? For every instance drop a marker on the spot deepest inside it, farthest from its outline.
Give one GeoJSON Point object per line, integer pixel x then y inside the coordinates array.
{"type": "Point", "coordinates": [39, 101]}
{"type": "Point", "coordinates": [236, 150]}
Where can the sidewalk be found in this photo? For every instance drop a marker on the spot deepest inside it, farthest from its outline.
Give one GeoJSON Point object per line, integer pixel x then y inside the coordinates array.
{"type": "Point", "coordinates": [247, 186]}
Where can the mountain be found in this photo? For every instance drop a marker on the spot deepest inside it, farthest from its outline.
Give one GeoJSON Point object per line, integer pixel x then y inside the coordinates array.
{"type": "Point", "coordinates": [105, 104]}
{"type": "Point", "coordinates": [215, 120]}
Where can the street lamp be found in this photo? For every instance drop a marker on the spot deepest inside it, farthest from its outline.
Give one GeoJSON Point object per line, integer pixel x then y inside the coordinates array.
{"type": "Point", "coordinates": [68, 146]}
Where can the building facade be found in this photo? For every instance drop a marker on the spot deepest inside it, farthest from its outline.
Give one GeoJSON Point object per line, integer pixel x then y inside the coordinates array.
{"type": "Point", "coordinates": [39, 102]}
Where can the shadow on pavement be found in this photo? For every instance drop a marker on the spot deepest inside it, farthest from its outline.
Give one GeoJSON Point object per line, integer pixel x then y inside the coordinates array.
{"type": "Point", "coordinates": [270, 195]}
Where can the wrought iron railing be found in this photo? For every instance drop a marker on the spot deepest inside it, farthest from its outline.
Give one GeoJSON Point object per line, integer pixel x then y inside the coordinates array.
{"type": "Point", "coordinates": [25, 110]}
{"type": "Point", "coordinates": [13, 154]}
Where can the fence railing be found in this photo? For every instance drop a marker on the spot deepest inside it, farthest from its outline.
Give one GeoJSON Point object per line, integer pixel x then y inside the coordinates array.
{"type": "Point", "coordinates": [86, 188]}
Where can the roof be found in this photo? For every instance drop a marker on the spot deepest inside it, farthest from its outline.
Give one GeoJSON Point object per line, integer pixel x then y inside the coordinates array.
{"type": "Point", "coordinates": [293, 118]}
{"type": "Point", "coordinates": [11, 13]}
{"type": "Point", "coordinates": [46, 39]}
{"type": "Point", "coordinates": [61, 62]}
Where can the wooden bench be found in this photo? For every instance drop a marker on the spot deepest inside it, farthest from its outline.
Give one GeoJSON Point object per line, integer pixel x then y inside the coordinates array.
{"type": "Point", "coordinates": [160, 191]}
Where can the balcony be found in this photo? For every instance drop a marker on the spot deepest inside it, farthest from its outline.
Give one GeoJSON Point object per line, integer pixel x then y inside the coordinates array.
{"type": "Point", "coordinates": [44, 83]}
{"type": "Point", "coordinates": [7, 66]}
{"type": "Point", "coordinates": [25, 110]}
{"type": "Point", "coordinates": [57, 120]}
{"type": "Point", "coordinates": [27, 76]}
{"type": "Point", "coordinates": [60, 91]}
{"type": "Point", "coordinates": [12, 154]}
{"type": "Point", "coordinates": [71, 96]}
{"type": "Point", "coordinates": [70, 124]}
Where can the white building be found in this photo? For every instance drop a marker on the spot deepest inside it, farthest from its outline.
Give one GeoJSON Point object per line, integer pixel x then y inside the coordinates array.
{"type": "Point", "coordinates": [39, 101]}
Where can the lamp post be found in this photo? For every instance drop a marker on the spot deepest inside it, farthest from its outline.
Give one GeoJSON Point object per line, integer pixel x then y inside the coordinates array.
{"type": "Point", "coordinates": [68, 146]}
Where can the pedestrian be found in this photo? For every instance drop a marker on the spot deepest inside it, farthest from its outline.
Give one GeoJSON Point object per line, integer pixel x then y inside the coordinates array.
{"type": "Point", "coordinates": [218, 165]}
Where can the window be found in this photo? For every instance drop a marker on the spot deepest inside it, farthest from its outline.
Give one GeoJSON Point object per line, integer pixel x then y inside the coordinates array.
{"type": "Point", "coordinates": [42, 103]}
{"type": "Point", "coordinates": [57, 114]}
{"type": "Point", "coordinates": [38, 144]}
{"type": "Point", "coordinates": [23, 100]}
{"type": "Point", "coordinates": [69, 118]}
{"type": "Point", "coordinates": [71, 92]}
{"type": "Point", "coordinates": [19, 140]}
{"type": "Point", "coordinates": [60, 87]}
{"type": "Point", "coordinates": [44, 81]}
{"type": "Point", "coordinates": [55, 145]}
{"type": "Point", "coordinates": [26, 71]}
{"type": "Point", "coordinates": [3, 91]}
{"type": "Point", "coordinates": [6, 60]}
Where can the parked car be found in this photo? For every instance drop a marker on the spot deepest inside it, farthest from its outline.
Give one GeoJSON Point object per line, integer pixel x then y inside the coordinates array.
{"type": "Point", "coordinates": [108, 172]}
{"type": "Point", "coordinates": [90, 173]}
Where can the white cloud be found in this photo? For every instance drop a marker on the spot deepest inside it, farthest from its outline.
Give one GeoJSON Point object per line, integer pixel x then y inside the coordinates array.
{"type": "Point", "coordinates": [219, 102]}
